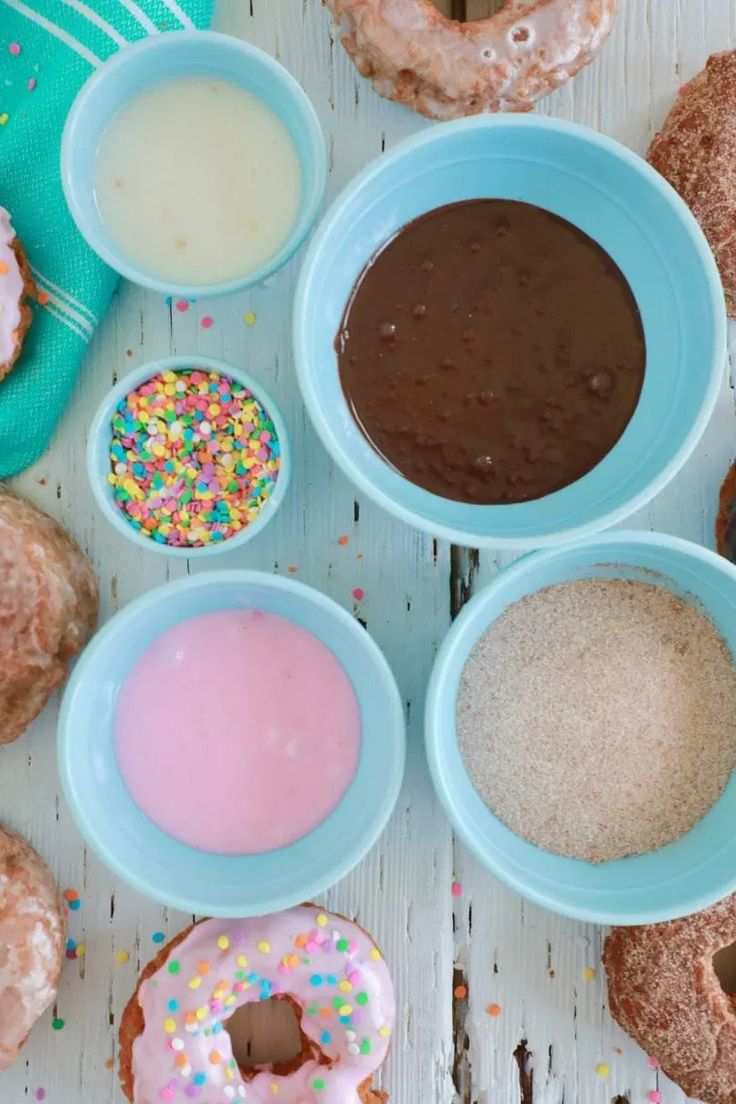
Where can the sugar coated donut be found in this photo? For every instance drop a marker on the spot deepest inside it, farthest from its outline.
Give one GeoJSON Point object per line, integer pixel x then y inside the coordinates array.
{"type": "Point", "coordinates": [48, 610]}
{"type": "Point", "coordinates": [663, 990]}
{"type": "Point", "coordinates": [443, 68]}
{"type": "Point", "coordinates": [696, 152]}
{"type": "Point", "coordinates": [173, 1035]}
{"type": "Point", "coordinates": [31, 942]}
{"type": "Point", "coordinates": [16, 283]}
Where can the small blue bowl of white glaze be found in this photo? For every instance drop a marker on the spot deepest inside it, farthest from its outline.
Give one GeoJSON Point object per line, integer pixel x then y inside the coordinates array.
{"type": "Point", "coordinates": [200, 882]}
{"type": "Point", "coordinates": [153, 61]}
{"type": "Point", "coordinates": [617, 199]}
{"type": "Point", "coordinates": [684, 877]}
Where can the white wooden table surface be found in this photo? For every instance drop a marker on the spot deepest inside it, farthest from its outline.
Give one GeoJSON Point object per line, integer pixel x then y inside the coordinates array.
{"type": "Point", "coordinates": [505, 951]}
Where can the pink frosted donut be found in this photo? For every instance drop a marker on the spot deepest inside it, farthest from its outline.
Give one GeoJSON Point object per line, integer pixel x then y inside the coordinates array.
{"type": "Point", "coordinates": [31, 942]}
{"type": "Point", "coordinates": [174, 1040]}
{"type": "Point", "coordinates": [16, 283]}
{"type": "Point", "coordinates": [442, 68]}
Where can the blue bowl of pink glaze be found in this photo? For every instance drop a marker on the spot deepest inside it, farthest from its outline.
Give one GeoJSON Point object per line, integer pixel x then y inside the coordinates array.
{"type": "Point", "coordinates": [150, 62]}
{"type": "Point", "coordinates": [618, 200]}
{"type": "Point", "coordinates": [170, 872]}
{"type": "Point", "coordinates": [684, 877]}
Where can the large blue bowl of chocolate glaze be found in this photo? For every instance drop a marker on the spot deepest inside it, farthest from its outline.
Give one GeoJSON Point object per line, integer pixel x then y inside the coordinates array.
{"type": "Point", "coordinates": [619, 201]}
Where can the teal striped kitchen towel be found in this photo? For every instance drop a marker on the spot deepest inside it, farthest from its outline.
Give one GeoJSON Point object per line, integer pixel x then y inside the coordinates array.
{"type": "Point", "coordinates": [48, 49]}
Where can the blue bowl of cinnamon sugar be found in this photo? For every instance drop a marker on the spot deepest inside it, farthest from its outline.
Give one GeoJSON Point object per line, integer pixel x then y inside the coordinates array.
{"type": "Point", "coordinates": [581, 728]}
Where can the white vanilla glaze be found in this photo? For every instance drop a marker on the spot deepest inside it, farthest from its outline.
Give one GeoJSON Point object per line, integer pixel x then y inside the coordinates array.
{"type": "Point", "coordinates": [11, 290]}
{"type": "Point", "coordinates": [198, 181]}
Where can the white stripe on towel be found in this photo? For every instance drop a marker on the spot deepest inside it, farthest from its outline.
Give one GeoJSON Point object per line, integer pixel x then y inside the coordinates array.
{"type": "Point", "coordinates": [93, 17]}
{"type": "Point", "coordinates": [180, 15]}
{"type": "Point", "coordinates": [53, 29]}
{"type": "Point", "coordinates": [49, 285]}
{"type": "Point", "coordinates": [52, 309]}
{"type": "Point", "coordinates": [74, 316]}
{"type": "Point", "coordinates": [141, 16]}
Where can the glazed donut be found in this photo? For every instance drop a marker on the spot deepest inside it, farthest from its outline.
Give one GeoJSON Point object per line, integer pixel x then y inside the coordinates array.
{"type": "Point", "coordinates": [664, 992]}
{"type": "Point", "coordinates": [173, 1037]}
{"type": "Point", "coordinates": [48, 610]}
{"type": "Point", "coordinates": [696, 152]}
{"type": "Point", "coordinates": [442, 68]}
{"type": "Point", "coordinates": [31, 942]}
{"type": "Point", "coordinates": [16, 283]}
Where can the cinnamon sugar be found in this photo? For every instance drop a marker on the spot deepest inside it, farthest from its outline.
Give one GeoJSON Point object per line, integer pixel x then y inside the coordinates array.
{"type": "Point", "coordinates": [597, 718]}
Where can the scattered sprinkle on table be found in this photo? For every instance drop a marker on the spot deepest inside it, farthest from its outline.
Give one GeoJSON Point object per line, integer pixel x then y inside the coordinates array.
{"type": "Point", "coordinates": [72, 899]}
{"type": "Point", "coordinates": [653, 1063]}
{"type": "Point", "coordinates": [71, 949]}
{"type": "Point", "coordinates": [457, 889]}
{"type": "Point", "coordinates": [292, 569]}
{"type": "Point", "coordinates": [588, 973]}
{"type": "Point", "coordinates": [343, 540]}
{"type": "Point", "coordinates": [602, 1069]}
{"type": "Point", "coordinates": [494, 1010]}
{"type": "Point", "coordinates": [655, 1097]}
{"type": "Point", "coordinates": [249, 318]}
{"type": "Point", "coordinates": [461, 992]}
{"type": "Point", "coordinates": [580, 694]}
{"type": "Point", "coordinates": [358, 594]}
{"type": "Point", "coordinates": [122, 957]}
{"type": "Point", "coordinates": [4, 117]}
{"type": "Point", "coordinates": [57, 1024]}
{"type": "Point", "coordinates": [207, 322]}
{"type": "Point", "coordinates": [181, 305]}
{"type": "Point", "coordinates": [40, 1094]}
{"type": "Point", "coordinates": [158, 937]}
{"type": "Point", "coordinates": [194, 458]}
{"type": "Point", "coordinates": [14, 49]}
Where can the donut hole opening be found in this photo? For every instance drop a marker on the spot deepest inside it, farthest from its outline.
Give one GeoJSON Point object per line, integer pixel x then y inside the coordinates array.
{"type": "Point", "coordinates": [724, 964]}
{"type": "Point", "coordinates": [520, 35]}
{"type": "Point", "coordinates": [265, 1033]}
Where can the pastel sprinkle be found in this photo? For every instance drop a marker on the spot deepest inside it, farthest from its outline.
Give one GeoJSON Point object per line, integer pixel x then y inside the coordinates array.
{"type": "Point", "coordinates": [182, 306]}
{"type": "Point", "coordinates": [31, 84]}
{"type": "Point", "coordinates": [4, 268]}
{"type": "Point", "coordinates": [653, 1063]}
{"type": "Point", "coordinates": [223, 942]}
{"type": "Point", "coordinates": [461, 992]}
{"type": "Point", "coordinates": [169, 1026]}
{"type": "Point", "coordinates": [71, 895]}
{"type": "Point", "coordinates": [4, 117]}
{"type": "Point", "coordinates": [343, 540]}
{"type": "Point", "coordinates": [457, 889]}
{"type": "Point", "coordinates": [158, 937]}
{"type": "Point", "coordinates": [207, 322]}
{"type": "Point", "coordinates": [80, 951]}
{"type": "Point", "coordinates": [322, 920]}
{"type": "Point", "coordinates": [43, 298]}
{"type": "Point", "coordinates": [494, 1010]}
{"type": "Point", "coordinates": [358, 594]}
{"type": "Point", "coordinates": [384, 1031]}
{"type": "Point", "coordinates": [318, 1084]}
{"type": "Point", "coordinates": [174, 967]}
{"type": "Point", "coordinates": [193, 458]}
{"type": "Point", "coordinates": [362, 998]}
{"type": "Point", "coordinates": [655, 1097]}
{"type": "Point", "coordinates": [375, 954]}
{"type": "Point", "coordinates": [249, 318]}
{"type": "Point", "coordinates": [602, 1069]}
{"type": "Point", "coordinates": [57, 1024]}
{"type": "Point", "coordinates": [40, 1094]}
{"type": "Point", "coordinates": [75, 905]}
{"type": "Point", "coordinates": [588, 973]}
{"type": "Point", "coordinates": [292, 569]}
{"type": "Point", "coordinates": [14, 49]}
{"type": "Point", "coordinates": [264, 947]}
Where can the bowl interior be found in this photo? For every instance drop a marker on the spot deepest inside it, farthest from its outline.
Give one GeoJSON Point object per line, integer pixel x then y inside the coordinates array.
{"type": "Point", "coordinates": [167, 57]}
{"type": "Point", "coordinates": [169, 871]}
{"type": "Point", "coordinates": [98, 453]}
{"type": "Point", "coordinates": [685, 876]}
{"type": "Point", "coordinates": [616, 199]}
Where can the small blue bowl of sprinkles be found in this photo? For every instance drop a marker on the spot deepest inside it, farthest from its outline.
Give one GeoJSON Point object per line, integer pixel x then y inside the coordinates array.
{"type": "Point", "coordinates": [189, 456]}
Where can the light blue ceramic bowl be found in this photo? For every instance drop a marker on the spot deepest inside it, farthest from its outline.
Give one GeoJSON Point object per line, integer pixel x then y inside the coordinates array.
{"type": "Point", "coordinates": [618, 200]}
{"type": "Point", "coordinates": [166, 57]}
{"type": "Point", "coordinates": [154, 863]}
{"type": "Point", "coordinates": [682, 878]}
{"type": "Point", "coordinates": [98, 454]}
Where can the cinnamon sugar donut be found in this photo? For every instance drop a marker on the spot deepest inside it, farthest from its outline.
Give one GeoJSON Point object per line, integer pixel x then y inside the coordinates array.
{"type": "Point", "coordinates": [696, 152]}
{"type": "Point", "coordinates": [31, 942]}
{"type": "Point", "coordinates": [443, 68]}
{"type": "Point", "coordinates": [48, 610]}
{"type": "Point", "coordinates": [664, 992]}
{"type": "Point", "coordinates": [16, 284]}
{"type": "Point", "coordinates": [174, 1043]}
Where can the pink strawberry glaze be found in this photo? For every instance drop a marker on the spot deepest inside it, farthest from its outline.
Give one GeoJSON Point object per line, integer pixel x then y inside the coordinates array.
{"type": "Point", "coordinates": [237, 732]}
{"type": "Point", "coordinates": [336, 975]}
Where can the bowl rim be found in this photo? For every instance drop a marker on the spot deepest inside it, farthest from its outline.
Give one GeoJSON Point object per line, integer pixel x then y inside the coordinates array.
{"type": "Point", "coordinates": [393, 779]}
{"type": "Point", "coordinates": [325, 426]}
{"type": "Point", "coordinates": [135, 378]}
{"type": "Point", "coordinates": [434, 737]}
{"type": "Point", "coordinates": [311, 198]}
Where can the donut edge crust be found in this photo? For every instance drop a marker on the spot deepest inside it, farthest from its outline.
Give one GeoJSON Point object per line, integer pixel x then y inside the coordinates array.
{"type": "Point", "coordinates": [26, 314]}
{"type": "Point", "coordinates": [132, 1024]}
